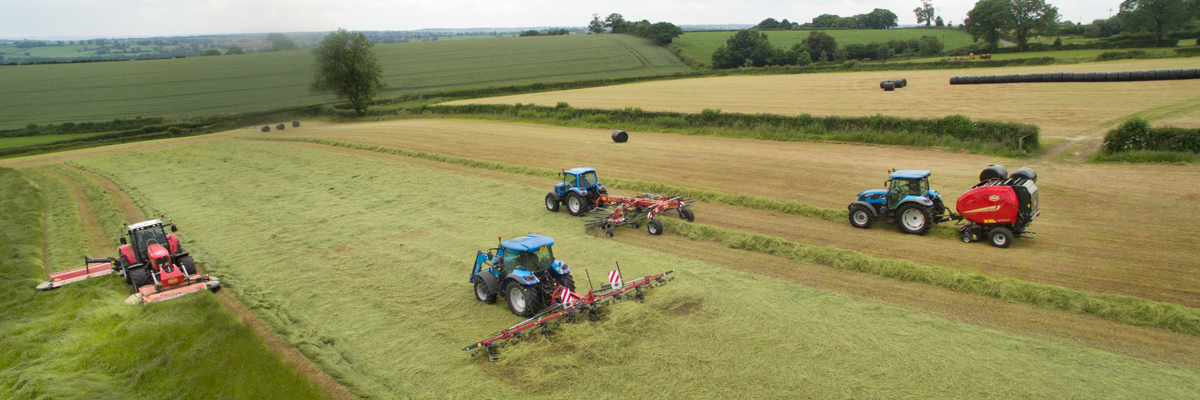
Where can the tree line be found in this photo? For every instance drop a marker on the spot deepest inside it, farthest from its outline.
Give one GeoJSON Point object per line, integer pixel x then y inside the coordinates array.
{"type": "Point", "coordinates": [752, 48]}
{"type": "Point", "coordinates": [1021, 20]}
{"type": "Point", "coordinates": [661, 33]}
{"type": "Point", "coordinates": [876, 19]}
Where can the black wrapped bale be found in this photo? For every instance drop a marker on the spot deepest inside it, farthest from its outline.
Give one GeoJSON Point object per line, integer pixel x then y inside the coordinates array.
{"type": "Point", "coordinates": [1089, 77]}
{"type": "Point", "coordinates": [1162, 75]}
{"type": "Point", "coordinates": [1123, 76]}
{"type": "Point", "coordinates": [1003, 79]}
{"type": "Point", "coordinates": [1027, 78]}
{"type": "Point", "coordinates": [1135, 75]}
{"type": "Point", "coordinates": [987, 79]}
{"type": "Point", "coordinates": [1056, 77]}
{"type": "Point", "coordinates": [295, 124]}
{"type": "Point", "coordinates": [954, 80]}
{"type": "Point", "coordinates": [1079, 77]}
{"type": "Point", "coordinates": [887, 86]}
{"type": "Point", "coordinates": [1068, 77]}
{"type": "Point", "coordinates": [1025, 173]}
{"type": "Point", "coordinates": [970, 80]}
{"type": "Point", "coordinates": [1177, 74]}
{"type": "Point", "coordinates": [1113, 77]}
{"type": "Point", "coordinates": [280, 127]}
{"type": "Point", "coordinates": [1036, 78]}
{"type": "Point", "coordinates": [993, 172]}
{"type": "Point", "coordinates": [620, 136]}
{"type": "Point", "coordinates": [901, 83]}
{"type": "Point", "coordinates": [266, 128]}
{"type": "Point", "coordinates": [1189, 73]}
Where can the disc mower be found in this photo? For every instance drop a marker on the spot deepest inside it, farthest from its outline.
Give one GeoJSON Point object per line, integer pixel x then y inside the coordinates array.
{"type": "Point", "coordinates": [150, 260]}
{"type": "Point", "coordinates": [582, 193]}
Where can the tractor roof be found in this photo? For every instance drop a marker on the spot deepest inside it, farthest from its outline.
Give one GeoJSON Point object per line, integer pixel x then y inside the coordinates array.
{"type": "Point", "coordinates": [910, 174]}
{"type": "Point", "coordinates": [144, 224]}
{"type": "Point", "coordinates": [579, 170]}
{"type": "Point", "coordinates": [530, 242]}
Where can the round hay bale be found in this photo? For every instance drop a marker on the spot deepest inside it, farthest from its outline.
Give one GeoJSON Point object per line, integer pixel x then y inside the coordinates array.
{"type": "Point", "coordinates": [1114, 76]}
{"type": "Point", "coordinates": [1189, 73]}
{"type": "Point", "coordinates": [902, 82]}
{"type": "Point", "coordinates": [1003, 78]}
{"type": "Point", "coordinates": [988, 79]}
{"type": "Point", "coordinates": [620, 136]}
{"type": "Point", "coordinates": [993, 172]}
{"type": "Point", "coordinates": [885, 82]}
{"type": "Point", "coordinates": [970, 80]}
{"type": "Point", "coordinates": [1162, 75]}
{"type": "Point", "coordinates": [266, 128]}
{"type": "Point", "coordinates": [954, 80]}
{"type": "Point", "coordinates": [1035, 78]}
{"type": "Point", "coordinates": [1068, 77]}
{"type": "Point", "coordinates": [1089, 77]}
{"type": "Point", "coordinates": [1024, 78]}
{"type": "Point", "coordinates": [1079, 77]}
{"type": "Point", "coordinates": [295, 124]}
{"type": "Point", "coordinates": [1135, 75]}
{"type": "Point", "coordinates": [280, 127]}
{"type": "Point", "coordinates": [887, 86]}
{"type": "Point", "coordinates": [1123, 76]}
{"type": "Point", "coordinates": [1177, 74]}
{"type": "Point", "coordinates": [1025, 173]}
{"type": "Point", "coordinates": [1056, 77]}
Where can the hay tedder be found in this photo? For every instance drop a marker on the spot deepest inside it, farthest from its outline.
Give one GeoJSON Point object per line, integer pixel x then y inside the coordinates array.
{"type": "Point", "coordinates": [151, 260]}
{"type": "Point", "coordinates": [540, 288]}
{"type": "Point", "coordinates": [582, 193]}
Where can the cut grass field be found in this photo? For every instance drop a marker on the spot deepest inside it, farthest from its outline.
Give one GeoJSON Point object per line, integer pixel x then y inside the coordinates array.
{"type": "Point", "coordinates": [701, 45]}
{"type": "Point", "coordinates": [1079, 112]}
{"type": "Point", "coordinates": [83, 341]}
{"type": "Point", "coordinates": [354, 239]}
{"type": "Point", "coordinates": [1088, 211]}
{"type": "Point", "coordinates": [204, 86]}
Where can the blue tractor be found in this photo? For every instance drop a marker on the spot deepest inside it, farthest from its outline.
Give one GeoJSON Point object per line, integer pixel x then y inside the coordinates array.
{"type": "Point", "coordinates": [908, 201]}
{"type": "Point", "coordinates": [524, 271]}
{"type": "Point", "coordinates": [580, 191]}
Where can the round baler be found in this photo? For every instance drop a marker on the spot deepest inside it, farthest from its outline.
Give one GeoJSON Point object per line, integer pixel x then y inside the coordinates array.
{"type": "Point", "coordinates": [1000, 207]}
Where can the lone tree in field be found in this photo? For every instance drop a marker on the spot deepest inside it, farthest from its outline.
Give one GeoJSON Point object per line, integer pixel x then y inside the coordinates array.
{"type": "Point", "coordinates": [818, 43]}
{"type": "Point", "coordinates": [988, 19]}
{"type": "Point", "coordinates": [1030, 17]}
{"type": "Point", "coordinates": [279, 42]}
{"type": "Point", "coordinates": [347, 66]}
{"type": "Point", "coordinates": [924, 12]}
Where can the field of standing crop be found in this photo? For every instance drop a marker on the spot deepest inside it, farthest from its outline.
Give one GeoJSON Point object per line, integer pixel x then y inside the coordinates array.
{"type": "Point", "coordinates": [366, 273]}
{"type": "Point", "coordinates": [701, 45]}
{"type": "Point", "coordinates": [202, 86]}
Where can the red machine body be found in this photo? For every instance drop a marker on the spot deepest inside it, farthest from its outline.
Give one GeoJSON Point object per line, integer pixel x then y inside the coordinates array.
{"type": "Point", "coordinates": [989, 205]}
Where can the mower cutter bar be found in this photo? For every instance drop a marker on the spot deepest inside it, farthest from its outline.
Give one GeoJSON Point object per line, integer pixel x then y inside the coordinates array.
{"type": "Point", "coordinates": [551, 316]}
{"type": "Point", "coordinates": [92, 268]}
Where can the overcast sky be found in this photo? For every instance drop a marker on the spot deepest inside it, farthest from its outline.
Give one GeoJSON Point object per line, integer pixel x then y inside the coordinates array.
{"type": "Point", "coordinates": [138, 18]}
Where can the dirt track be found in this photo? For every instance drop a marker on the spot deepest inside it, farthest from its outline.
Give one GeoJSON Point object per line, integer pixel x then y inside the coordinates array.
{"type": "Point", "coordinates": [1110, 229]}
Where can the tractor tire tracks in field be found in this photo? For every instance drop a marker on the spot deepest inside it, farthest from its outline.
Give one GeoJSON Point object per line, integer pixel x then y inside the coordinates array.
{"type": "Point", "coordinates": [329, 386]}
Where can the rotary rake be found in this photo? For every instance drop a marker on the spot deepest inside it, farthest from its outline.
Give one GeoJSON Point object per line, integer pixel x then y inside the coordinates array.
{"type": "Point", "coordinates": [616, 211]}
{"type": "Point", "coordinates": [569, 307]}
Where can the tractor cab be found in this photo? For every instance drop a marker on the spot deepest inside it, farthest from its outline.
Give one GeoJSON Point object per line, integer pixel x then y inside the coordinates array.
{"type": "Point", "coordinates": [144, 234]}
{"type": "Point", "coordinates": [523, 270]}
{"type": "Point", "coordinates": [580, 191]}
{"type": "Point", "coordinates": [908, 185]}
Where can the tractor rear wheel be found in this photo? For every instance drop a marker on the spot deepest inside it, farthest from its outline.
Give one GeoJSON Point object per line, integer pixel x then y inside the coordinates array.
{"type": "Point", "coordinates": [654, 227]}
{"type": "Point", "coordinates": [576, 204]}
{"type": "Point", "coordinates": [481, 292]}
{"type": "Point", "coordinates": [139, 277]}
{"type": "Point", "coordinates": [567, 281]}
{"type": "Point", "coordinates": [551, 202]}
{"type": "Point", "coordinates": [188, 264]}
{"type": "Point", "coordinates": [1001, 237]}
{"type": "Point", "coordinates": [687, 215]}
{"type": "Point", "coordinates": [914, 219]}
{"type": "Point", "coordinates": [522, 300]}
{"type": "Point", "coordinates": [861, 217]}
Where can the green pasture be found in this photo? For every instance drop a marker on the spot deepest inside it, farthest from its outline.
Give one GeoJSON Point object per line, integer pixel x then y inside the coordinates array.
{"type": "Point", "coordinates": [204, 86]}
{"type": "Point", "coordinates": [701, 45]}
{"type": "Point", "coordinates": [83, 342]}
{"type": "Point", "coordinates": [363, 266]}
{"type": "Point", "coordinates": [41, 139]}
{"type": "Point", "coordinates": [14, 53]}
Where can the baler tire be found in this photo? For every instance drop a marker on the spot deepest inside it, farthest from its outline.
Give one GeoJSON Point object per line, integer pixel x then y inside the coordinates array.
{"type": "Point", "coordinates": [922, 211]}
{"type": "Point", "coordinates": [965, 236]}
{"type": "Point", "coordinates": [580, 204]}
{"type": "Point", "coordinates": [139, 277]}
{"type": "Point", "coordinates": [481, 290]}
{"type": "Point", "coordinates": [654, 227]}
{"type": "Point", "coordinates": [861, 217]}
{"type": "Point", "coordinates": [567, 281]}
{"type": "Point", "coordinates": [1004, 235]}
{"type": "Point", "coordinates": [516, 292]}
{"type": "Point", "coordinates": [687, 215]}
{"type": "Point", "coordinates": [551, 202]}
{"type": "Point", "coordinates": [188, 264]}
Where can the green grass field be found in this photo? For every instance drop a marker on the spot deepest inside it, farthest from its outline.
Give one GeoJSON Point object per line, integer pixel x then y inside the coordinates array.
{"type": "Point", "coordinates": [40, 139]}
{"type": "Point", "coordinates": [203, 86]}
{"type": "Point", "coordinates": [83, 341]}
{"type": "Point", "coordinates": [701, 45]}
{"type": "Point", "coordinates": [14, 53]}
{"type": "Point", "coordinates": [366, 273]}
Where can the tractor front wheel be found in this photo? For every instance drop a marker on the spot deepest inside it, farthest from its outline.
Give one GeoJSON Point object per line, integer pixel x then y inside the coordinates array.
{"type": "Point", "coordinates": [188, 264]}
{"type": "Point", "coordinates": [481, 292]}
{"type": "Point", "coordinates": [575, 204]}
{"type": "Point", "coordinates": [139, 277]}
{"type": "Point", "coordinates": [861, 217]}
{"type": "Point", "coordinates": [551, 202]}
{"type": "Point", "coordinates": [1001, 237]}
{"type": "Point", "coordinates": [522, 300]}
{"type": "Point", "coordinates": [654, 227]}
{"type": "Point", "coordinates": [914, 219]}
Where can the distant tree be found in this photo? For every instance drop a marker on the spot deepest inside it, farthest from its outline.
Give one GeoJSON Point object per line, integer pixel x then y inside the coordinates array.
{"type": "Point", "coordinates": [988, 19]}
{"type": "Point", "coordinates": [819, 43]}
{"type": "Point", "coordinates": [662, 33]}
{"type": "Point", "coordinates": [884, 53]}
{"type": "Point", "coordinates": [211, 52]}
{"type": "Point", "coordinates": [1032, 17]}
{"type": "Point", "coordinates": [597, 24]}
{"type": "Point", "coordinates": [879, 19]}
{"type": "Point", "coordinates": [346, 65]}
{"type": "Point", "coordinates": [557, 32]}
{"type": "Point", "coordinates": [924, 12]}
{"type": "Point", "coordinates": [769, 23]}
{"type": "Point", "coordinates": [929, 46]}
{"type": "Point", "coordinates": [279, 42]}
{"type": "Point", "coordinates": [840, 55]}
{"type": "Point", "coordinates": [938, 21]}
{"type": "Point", "coordinates": [530, 32]}
{"type": "Point", "coordinates": [785, 24]}
{"type": "Point", "coordinates": [616, 22]}
{"type": "Point", "coordinates": [235, 50]}
{"type": "Point", "coordinates": [1162, 13]}
{"type": "Point", "coordinates": [745, 48]}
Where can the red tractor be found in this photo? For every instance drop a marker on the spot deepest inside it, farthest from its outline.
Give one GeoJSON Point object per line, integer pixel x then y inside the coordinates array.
{"type": "Point", "coordinates": [151, 260]}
